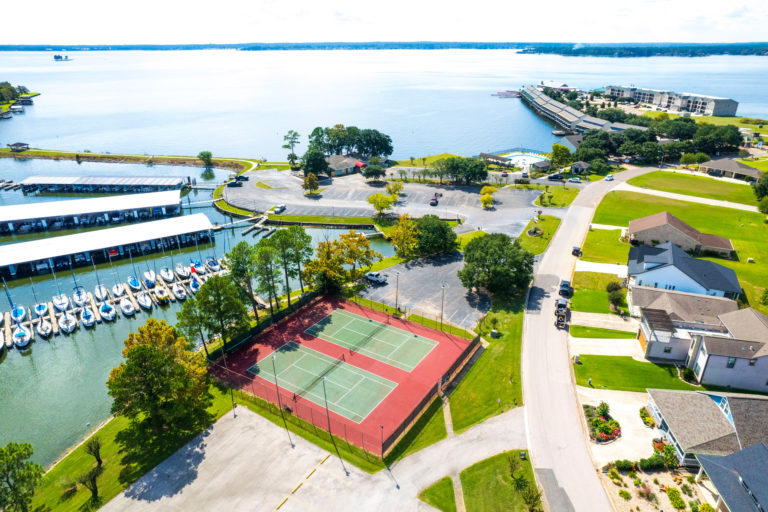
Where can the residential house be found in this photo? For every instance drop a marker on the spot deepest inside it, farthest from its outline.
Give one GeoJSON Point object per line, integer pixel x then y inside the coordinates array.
{"type": "Point", "coordinates": [341, 164]}
{"type": "Point", "coordinates": [730, 168]}
{"type": "Point", "coordinates": [540, 166]}
{"type": "Point", "coordinates": [669, 319]}
{"type": "Point", "coordinates": [572, 142]}
{"type": "Point", "coordinates": [738, 359]}
{"type": "Point", "coordinates": [665, 227]}
{"type": "Point", "coordinates": [669, 267]}
{"type": "Point", "coordinates": [708, 423]}
{"type": "Point", "coordinates": [739, 479]}
{"type": "Point", "coordinates": [579, 167]}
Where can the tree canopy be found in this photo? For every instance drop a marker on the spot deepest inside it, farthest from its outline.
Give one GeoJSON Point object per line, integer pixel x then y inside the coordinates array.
{"type": "Point", "coordinates": [404, 236]}
{"type": "Point", "coordinates": [350, 139]}
{"type": "Point", "coordinates": [207, 158]}
{"type": "Point", "coordinates": [18, 477]}
{"type": "Point", "coordinates": [224, 314]}
{"type": "Point", "coordinates": [761, 186]}
{"type": "Point", "coordinates": [434, 235]}
{"type": "Point", "coordinates": [374, 172]}
{"type": "Point", "coordinates": [291, 139]}
{"type": "Point", "coordinates": [314, 162]}
{"type": "Point", "coordinates": [310, 183]}
{"type": "Point", "coordinates": [461, 170]}
{"type": "Point", "coordinates": [380, 202]}
{"type": "Point", "coordinates": [497, 263]}
{"type": "Point", "coordinates": [356, 251]}
{"type": "Point", "coordinates": [560, 156]}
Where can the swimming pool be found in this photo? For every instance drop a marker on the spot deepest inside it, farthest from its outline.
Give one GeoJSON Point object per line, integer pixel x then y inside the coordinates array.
{"type": "Point", "coordinates": [524, 159]}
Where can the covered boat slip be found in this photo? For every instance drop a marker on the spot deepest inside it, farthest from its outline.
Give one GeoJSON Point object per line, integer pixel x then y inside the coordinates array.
{"type": "Point", "coordinates": [39, 256]}
{"type": "Point", "coordinates": [52, 215]}
{"type": "Point", "coordinates": [102, 184]}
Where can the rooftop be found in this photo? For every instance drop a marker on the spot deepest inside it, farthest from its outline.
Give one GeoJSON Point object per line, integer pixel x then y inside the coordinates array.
{"type": "Point", "coordinates": [35, 250]}
{"type": "Point", "coordinates": [49, 209]}
{"type": "Point", "coordinates": [746, 324]}
{"type": "Point", "coordinates": [683, 306]}
{"type": "Point", "coordinates": [732, 165]}
{"type": "Point", "coordinates": [741, 478]}
{"type": "Point", "coordinates": [664, 218]}
{"type": "Point", "coordinates": [338, 162]}
{"type": "Point", "coordinates": [103, 180]}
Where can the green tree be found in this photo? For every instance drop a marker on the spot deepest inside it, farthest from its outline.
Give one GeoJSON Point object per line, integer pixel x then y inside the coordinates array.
{"type": "Point", "coordinates": [434, 235]}
{"type": "Point", "coordinates": [310, 183]}
{"type": "Point", "coordinates": [701, 158]}
{"type": "Point", "coordinates": [93, 448]}
{"type": "Point", "coordinates": [560, 156]}
{"type": "Point", "coordinates": [356, 251]}
{"type": "Point", "coordinates": [314, 162]}
{"type": "Point", "coordinates": [394, 189]}
{"type": "Point", "coordinates": [532, 498]}
{"type": "Point", "coordinates": [291, 139]}
{"type": "Point", "coordinates": [162, 386]}
{"type": "Point", "coordinates": [688, 159]}
{"type": "Point", "coordinates": [301, 250]}
{"type": "Point", "coordinates": [90, 481]}
{"type": "Point", "coordinates": [760, 187]}
{"type": "Point", "coordinates": [18, 477]}
{"type": "Point", "coordinates": [241, 261]}
{"type": "Point", "coordinates": [497, 263]}
{"type": "Point", "coordinates": [380, 202]}
{"type": "Point", "coordinates": [651, 152]}
{"type": "Point", "coordinates": [486, 201]}
{"type": "Point", "coordinates": [374, 172]}
{"type": "Point", "coordinates": [327, 270]}
{"type": "Point", "coordinates": [267, 271]}
{"type": "Point", "coordinates": [616, 298]}
{"type": "Point", "coordinates": [763, 205]}
{"type": "Point", "coordinates": [207, 158]}
{"type": "Point", "coordinates": [282, 241]}
{"type": "Point", "coordinates": [189, 322]}
{"type": "Point", "coordinates": [224, 314]}
{"type": "Point", "coordinates": [404, 236]}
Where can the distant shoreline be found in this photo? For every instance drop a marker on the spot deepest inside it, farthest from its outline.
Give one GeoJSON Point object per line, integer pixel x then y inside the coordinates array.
{"type": "Point", "coordinates": [566, 49]}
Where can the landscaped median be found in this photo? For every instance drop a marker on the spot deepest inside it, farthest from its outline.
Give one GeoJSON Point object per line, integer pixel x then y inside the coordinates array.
{"type": "Point", "coordinates": [538, 233]}
{"type": "Point", "coordinates": [699, 186]}
{"type": "Point", "coordinates": [552, 196]}
{"type": "Point", "coordinates": [624, 373]}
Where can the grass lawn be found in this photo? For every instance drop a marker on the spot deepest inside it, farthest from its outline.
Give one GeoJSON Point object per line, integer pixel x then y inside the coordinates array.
{"type": "Point", "coordinates": [761, 164]}
{"type": "Point", "coordinates": [699, 186]}
{"type": "Point", "coordinates": [261, 184]}
{"type": "Point", "coordinates": [589, 294]}
{"type": "Point", "coordinates": [464, 238]}
{"type": "Point", "coordinates": [389, 261]}
{"type": "Point", "coordinates": [626, 374]}
{"type": "Point", "coordinates": [604, 246]}
{"type": "Point", "coordinates": [495, 374]}
{"type": "Point", "coordinates": [233, 209]}
{"type": "Point", "coordinates": [422, 161]}
{"type": "Point", "coordinates": [489, 487]}
{"type": "Point", "coordinates": [579, 331]}
{"type": "Point", "coordinates": [429, 429]}
{"type": "Point", "coordinates": [557, 196]}
{"type": "Point", "coordinates": [538, 244]}
{"type": "Point", "coordinates": [440, 495]}
{"type": "Point", "coordinates": [747, 231]}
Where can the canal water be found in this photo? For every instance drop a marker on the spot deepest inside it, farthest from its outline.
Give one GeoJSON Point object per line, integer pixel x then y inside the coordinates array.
{"type": "Point", "coordinates": [54, 393]}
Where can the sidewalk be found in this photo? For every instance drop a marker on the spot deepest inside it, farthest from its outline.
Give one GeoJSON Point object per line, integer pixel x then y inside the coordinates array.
{"type": "Point", "coordinates": [682, 197]}
{"type": "Point", "coordinates": [604, 321]}
{"type": "Point", "coordinates": [603, 268]}
{"type": "Point", "coordinates": [605, 347]}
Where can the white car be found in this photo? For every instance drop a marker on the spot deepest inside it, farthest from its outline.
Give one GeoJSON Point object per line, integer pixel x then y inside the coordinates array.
{"type": "Point", "coordinates": [574, 180]}
{"type": "Point", "coordinates": [280, 208]}
{"type": "Point", "coordinates": [376, 277]}
{"type": "Point", "coordinates": [609, 177]}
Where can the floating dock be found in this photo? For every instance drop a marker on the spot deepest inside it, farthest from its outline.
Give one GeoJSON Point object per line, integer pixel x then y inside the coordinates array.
{"type": "Point", "coordinates": [102, 184]}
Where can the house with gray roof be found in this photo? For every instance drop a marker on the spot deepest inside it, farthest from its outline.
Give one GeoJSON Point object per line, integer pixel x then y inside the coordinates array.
{"type": "Point", "coordinates": [708, 423]}
{"type": "Point", "coordinates": [738, 359]}
{"type": "Point", "coordinates": [740, 479]}
{"type": "Point", "coordinates": [342, 164]}
{"type": "Point", "coordinates": [730, 168]}
{"type": "Point", "coordinates": [669, 320]}
{"type": "Point", "coordinates": [668, 267]}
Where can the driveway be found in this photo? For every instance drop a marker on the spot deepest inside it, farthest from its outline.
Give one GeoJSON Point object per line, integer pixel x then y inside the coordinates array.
{"type": "Point", "coordinates": [418, 289]}
{"type": "Point", "coordinates": [606, 347]}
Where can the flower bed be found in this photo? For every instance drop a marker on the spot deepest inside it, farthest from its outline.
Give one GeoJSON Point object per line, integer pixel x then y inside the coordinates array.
{"type": "Point", "coordinates": [647, 418]}
{"type": "Point", "coordinates": [602, 427]}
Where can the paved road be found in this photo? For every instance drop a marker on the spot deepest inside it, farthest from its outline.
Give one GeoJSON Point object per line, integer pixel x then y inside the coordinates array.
{"type": "Point", "coordinates": [555, 432]}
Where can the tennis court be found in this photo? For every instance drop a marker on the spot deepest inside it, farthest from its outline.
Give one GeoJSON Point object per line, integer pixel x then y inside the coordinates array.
{"type": "Point", "coordinates": [376, 340]}
{"type": "Point", "coordinates": [352, 392]}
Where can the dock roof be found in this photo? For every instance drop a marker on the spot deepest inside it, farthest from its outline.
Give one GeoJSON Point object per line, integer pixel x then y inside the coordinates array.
{"type": "Point", "coordinates": [97, 181]}
{"type": "Point", "coordinates": [53, 247]}
{"type": "Point", "coordinates": [48, 209]}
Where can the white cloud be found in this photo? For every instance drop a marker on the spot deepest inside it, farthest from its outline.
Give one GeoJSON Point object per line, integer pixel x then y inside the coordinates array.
{"type": "Point", "coordinates": [236, 21]}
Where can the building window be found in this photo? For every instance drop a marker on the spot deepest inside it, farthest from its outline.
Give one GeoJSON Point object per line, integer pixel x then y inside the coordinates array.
{"type": "Point", "coordinates": [667, 350]}
{"type": "Point", "coordinates": [697, 371]}
{"type": "Point", "coordinates": [731, 362]}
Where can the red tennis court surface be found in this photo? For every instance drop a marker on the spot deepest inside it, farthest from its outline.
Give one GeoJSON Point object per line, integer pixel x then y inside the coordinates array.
{"type": "Point", "coordinates": [395, 412]}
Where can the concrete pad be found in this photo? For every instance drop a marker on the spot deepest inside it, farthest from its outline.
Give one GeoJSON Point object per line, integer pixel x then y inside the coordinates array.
{"type": "Point", "coordinates": [608, 227]}
{"type": "Point", "coordinates": [605, 321]}
{"type": "Point", "coordinates": [636, 439]}
{"type": "Point", "coordinates": [605, 347]}
{"type": "Point", "coordinates": [603, 268]}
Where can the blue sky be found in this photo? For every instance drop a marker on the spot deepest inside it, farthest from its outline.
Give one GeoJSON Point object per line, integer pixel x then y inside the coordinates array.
{"type": "Point", "coordinates": [236, 21]}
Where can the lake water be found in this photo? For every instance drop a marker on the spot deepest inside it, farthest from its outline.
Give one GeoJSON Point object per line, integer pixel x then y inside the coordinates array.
{"type": "Point", "coordinates": [237, 103]}
{"type": "Point", "coordinates": [241, 104]}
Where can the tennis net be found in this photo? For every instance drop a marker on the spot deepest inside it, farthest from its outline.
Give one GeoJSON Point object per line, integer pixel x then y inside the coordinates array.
{"type": "Point", "coordinates": [317, 379]}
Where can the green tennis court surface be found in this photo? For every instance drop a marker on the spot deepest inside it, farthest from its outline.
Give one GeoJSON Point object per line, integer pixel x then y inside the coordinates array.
{"type": "Point", "coordinates": [352, 392]}
{"type": "Point", "coordinates": [388, 344]}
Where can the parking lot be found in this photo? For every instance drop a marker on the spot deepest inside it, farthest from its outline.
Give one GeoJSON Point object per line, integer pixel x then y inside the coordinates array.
{"type": "Point", "coordinates": [418, 287]}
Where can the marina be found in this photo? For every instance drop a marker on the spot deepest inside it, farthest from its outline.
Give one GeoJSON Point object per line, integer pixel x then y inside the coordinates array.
{"type": "Point", "coordinates": [102, 184]}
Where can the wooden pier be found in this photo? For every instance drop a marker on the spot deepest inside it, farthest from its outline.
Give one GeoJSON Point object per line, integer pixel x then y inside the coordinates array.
{"type": "Point", "coordinates": [7, 330]}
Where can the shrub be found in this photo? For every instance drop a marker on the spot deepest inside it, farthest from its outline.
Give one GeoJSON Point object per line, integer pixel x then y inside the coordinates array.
{"type": "Point", "coordinates": [632, 474]}
{"type": "Point", "coordinates": [694, 506]}
{"type": "Point", "coordinates": [616, 297]}
{"type": "Point", "coordinates": [646, 492]}
{"type": "Point", "coordinates": [670, 456]}
{"type": "Point", "coordinates": [706, 507]}
{"type": "Point", "coordinates": [674, 498]}
{"type": "Point", "coordinates": [614, 475]}
{"type": "Point", "coordinates": [603, 410]}
{"type": "Point", "coordinates": [638, 482]}
{"type": "Point", "coordinates": [613, 286]}
{"type": "Point", "coordinates": [625, 465]}
{"type": "Point", "coordinates": [686, 490]}
{"type": "Point", "coordinates": [625, 494]}
{"type": "Point", "coordinates": [691, 479]}
{"type": "Point", "coordinates": [646, 417]}
{"type": "Point", "coordinates": [689, 375]}
{"type": "Point", "coordinates": [653, 463]}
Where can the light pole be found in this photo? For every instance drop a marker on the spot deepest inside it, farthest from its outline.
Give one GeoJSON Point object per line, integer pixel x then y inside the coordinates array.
{"type": "Point", "coordinates": [397, 289]}
{"type": "Point", "coordinates": [328, 416]}
{"type": "Point", "coordinates": [382, 442]}
{"type": "Point", "coordinates": [280, 405]}
{"type": "Point", "coordinates": [231, 391]}
{"type": "Point", "coordinates": [442, 301]}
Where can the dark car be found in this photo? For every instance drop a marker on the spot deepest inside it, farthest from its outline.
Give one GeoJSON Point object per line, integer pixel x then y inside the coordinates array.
{"type": "Point", "coordinates": [235, 184]}
{"type": "Point", "coordinates": [504, 174]}
{"type": "Point", "coordinates": [576, 251]}
{"type": "Point", "coordinates": [433, 201]}
{"type": "Point", "coordinates": [241, 178]}
{"type": "Point", "coordinates": [565, 288]}
{"type": "Point", "coordinates": [525, 175]}
{"type": "Point", "coordinates": [555, 177]}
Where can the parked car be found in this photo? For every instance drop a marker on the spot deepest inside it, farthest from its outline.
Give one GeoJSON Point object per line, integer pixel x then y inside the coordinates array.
{"type": "Point", "coordinates": [232, 184]}
{"type": "Point", "coordinates": [433, 201]}
{"type": "Point", "coordinates": [609, 177]}
{"type": "Point", "coordinates": [279, 208]}
{"type": "Point", "coordinates": [525, 175]}
{"type": "Point", "coordinates": [376, 277]}
{"type": "Point", "coordinates": [555, 177]}
{"type": "Point", "coordinates": [576, 251]}
{"type": "Point", "coordinates": [574, 180]}
{"type": "Point", "coordinates": [241, 178]}
{"type": "Point", "coordinates": [565, 288]}
{"type": "Point", "coordinates": [504, 174]}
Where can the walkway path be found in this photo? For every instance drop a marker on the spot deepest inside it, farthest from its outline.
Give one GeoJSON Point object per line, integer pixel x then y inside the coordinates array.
{"type": "Point", "coordinates": [682, 197]}
{"type": "Point", "coordinates": [605, 321]}
{"type": "Point", "coordinates": [556, 436]}
{"type": "Point", "coordinates": [603, 268]}
{"type": "Point", "coordinates": [605, 347]}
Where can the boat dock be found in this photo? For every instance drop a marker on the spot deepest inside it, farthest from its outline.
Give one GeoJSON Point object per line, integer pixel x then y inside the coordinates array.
{"type": "Point", "coordinates": [102, 184]}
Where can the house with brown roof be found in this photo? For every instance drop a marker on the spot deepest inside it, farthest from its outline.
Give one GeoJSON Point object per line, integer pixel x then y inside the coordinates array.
{"type": "Point", "coordinates": [669, 319]}
{"type": "Point", "coordinates": [665, 227]}
{"type": "Point", "coordinates": [739, 359]}
{"type": "Point", "coordinates": [708, 423]}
